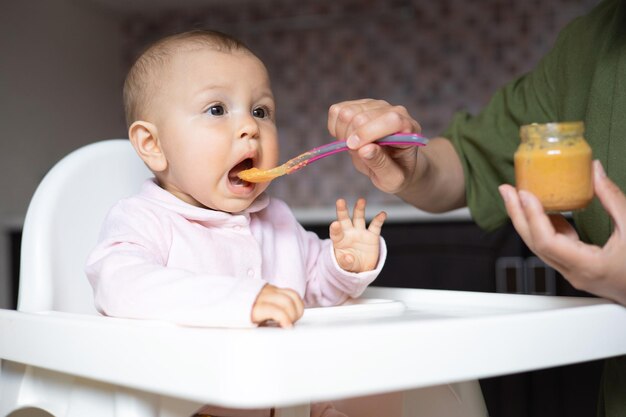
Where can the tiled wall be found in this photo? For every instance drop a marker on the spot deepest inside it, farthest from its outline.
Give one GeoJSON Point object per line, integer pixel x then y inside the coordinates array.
{"type": "Point", "coordinates": [432, 56]}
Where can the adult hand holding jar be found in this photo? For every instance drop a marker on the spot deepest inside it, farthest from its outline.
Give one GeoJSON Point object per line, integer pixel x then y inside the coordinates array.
{"type": "Point", "coordinates": [554, 173]}
{"type": "Point", "coordinates": [588, 267]}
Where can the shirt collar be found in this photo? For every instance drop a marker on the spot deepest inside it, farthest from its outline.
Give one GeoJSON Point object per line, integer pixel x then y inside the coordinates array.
{"type": "Point", "coordinates": [151, 191]}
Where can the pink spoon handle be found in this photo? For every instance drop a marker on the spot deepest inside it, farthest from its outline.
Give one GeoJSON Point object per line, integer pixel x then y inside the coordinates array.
{"type": "Point", "coordinates": [340, 146]}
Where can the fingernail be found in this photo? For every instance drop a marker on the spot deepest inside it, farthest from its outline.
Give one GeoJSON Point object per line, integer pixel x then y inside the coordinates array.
{"type": "Point", "coordinates": [353, 141]}
{"type": "Point", "coordinates": [599, 169]}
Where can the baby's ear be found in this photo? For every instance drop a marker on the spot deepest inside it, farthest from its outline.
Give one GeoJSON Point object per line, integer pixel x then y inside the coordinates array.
{"type": "Point", "coordinates": [145, 139]}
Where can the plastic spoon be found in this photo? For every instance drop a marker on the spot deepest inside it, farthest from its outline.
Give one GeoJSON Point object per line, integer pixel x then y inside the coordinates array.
{"type": "Point", "coordinates": [302, 160]}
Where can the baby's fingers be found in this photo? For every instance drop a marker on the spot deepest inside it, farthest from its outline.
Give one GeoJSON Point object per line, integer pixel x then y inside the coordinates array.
{"type": "Point", "coordinates": [280, 316]}
{"type": "Point", "coordinates": [376, 224]}
{"type": "Point", "coordinates": [358, 216]}
{"type": "Point", "coordinates": [282, 305]}
{"type": "Point", "coordinates": [298, 304]}
{"type": "Point", "coordinates": [336, 231]}
{"type": "Point", "coordinates": [290, 303]}
{"type": "Point", "coordinates": [342, 212]}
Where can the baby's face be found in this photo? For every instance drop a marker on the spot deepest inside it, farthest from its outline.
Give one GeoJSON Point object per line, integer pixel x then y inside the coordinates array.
{"type": "Point", "coordinates": [216, 118]}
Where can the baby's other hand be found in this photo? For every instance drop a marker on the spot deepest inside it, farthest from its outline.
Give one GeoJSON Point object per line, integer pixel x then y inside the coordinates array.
{"type": "Point", "coordinates": [356, 246]}
{"type": "Point", "coordinates": [282, 305]}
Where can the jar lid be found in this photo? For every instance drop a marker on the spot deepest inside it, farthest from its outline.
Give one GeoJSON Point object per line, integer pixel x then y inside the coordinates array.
{"type": "Point", "coordinates": [554, 128]}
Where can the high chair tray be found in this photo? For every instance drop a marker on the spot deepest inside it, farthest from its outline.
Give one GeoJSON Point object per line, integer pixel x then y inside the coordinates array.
{"type": "Point", "coordinates": [404, 338]}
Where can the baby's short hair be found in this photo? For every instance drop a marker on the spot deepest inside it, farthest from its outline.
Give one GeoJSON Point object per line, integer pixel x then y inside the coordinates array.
{"type": "Point", "coordinates": [142, 78]}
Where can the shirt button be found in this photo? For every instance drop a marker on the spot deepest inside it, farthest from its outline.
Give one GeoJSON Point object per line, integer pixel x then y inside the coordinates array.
{"type": "Point", "coordinates": [250, 272]}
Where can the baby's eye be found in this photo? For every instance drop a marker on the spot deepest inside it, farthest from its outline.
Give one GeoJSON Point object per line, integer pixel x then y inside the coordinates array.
{"type": "Point", "coordinates": [216, 110]}
{"type": "Point", "coordinates": [260, 112]}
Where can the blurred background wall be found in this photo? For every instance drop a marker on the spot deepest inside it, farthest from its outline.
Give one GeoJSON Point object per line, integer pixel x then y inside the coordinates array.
{"type": "Point", "coordinates": [434, 57]}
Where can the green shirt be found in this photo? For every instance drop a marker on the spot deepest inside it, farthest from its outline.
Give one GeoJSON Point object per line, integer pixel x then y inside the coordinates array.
{"type": "Point", "coordinates": [582, 78]}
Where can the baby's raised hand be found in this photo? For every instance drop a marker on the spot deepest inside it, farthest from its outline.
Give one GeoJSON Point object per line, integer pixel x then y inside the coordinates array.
{"type": "Point", "coordinates": [282, 305]}
{"type": "Point", "coordinates": [356, 246]}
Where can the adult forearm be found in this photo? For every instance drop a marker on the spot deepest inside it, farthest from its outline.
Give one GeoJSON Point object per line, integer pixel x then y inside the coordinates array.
{"type": "Point", "coordinates": [438, 183]}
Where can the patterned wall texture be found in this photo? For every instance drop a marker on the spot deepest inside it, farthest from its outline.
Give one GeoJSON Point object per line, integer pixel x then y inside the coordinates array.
{"type": "Point", "coordinates": [434, 57]}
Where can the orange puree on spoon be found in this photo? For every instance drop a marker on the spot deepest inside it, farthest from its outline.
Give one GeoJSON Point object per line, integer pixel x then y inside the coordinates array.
{"type": "Point", "coordinates": [259, 175]}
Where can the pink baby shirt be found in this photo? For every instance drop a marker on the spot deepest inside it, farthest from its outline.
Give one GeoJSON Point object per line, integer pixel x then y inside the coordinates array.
{"type": "Point", "coordinates": [160, 258]}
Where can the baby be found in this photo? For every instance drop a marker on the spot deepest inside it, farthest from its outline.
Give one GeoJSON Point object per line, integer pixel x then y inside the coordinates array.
{"type": "Point", "coordinates": [199, 246]}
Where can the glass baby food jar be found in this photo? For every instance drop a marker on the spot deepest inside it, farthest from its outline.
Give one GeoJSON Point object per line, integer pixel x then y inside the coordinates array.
{"type": "Point", "coordinates": [553, 162]}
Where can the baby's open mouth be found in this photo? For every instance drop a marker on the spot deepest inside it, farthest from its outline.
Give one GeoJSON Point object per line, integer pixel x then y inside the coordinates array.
{"type": "Point", "coordinates": [232, 175]}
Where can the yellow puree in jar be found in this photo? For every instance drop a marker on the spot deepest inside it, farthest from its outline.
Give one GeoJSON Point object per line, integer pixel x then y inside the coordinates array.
{"type": "Point", "coordinates": [558, 174]}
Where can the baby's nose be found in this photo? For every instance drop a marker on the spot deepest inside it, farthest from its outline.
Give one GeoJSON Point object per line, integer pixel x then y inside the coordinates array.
{"type": "Point", "coordinates": [248, 128]}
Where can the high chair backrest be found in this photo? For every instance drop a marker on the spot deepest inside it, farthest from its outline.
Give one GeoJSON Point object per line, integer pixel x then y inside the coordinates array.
{"type": "Point", "coordinates": [64, 219]}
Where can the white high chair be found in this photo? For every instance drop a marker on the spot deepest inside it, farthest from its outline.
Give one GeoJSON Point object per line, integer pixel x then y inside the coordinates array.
{"type": "Point", "coordinates": [59, 357]}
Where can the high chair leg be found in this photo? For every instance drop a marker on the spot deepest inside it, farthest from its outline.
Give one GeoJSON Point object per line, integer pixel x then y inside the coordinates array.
{"type": "Point", "coordinates": [62, 395]}
{"type": "Point", "coordinates": [295, 411]}
{"type": "Point", "coordinates": [462, 399]}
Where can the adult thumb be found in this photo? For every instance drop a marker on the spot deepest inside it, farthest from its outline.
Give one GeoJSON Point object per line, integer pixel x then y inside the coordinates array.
{"type": "Point", "coordinates": [374, 158]}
